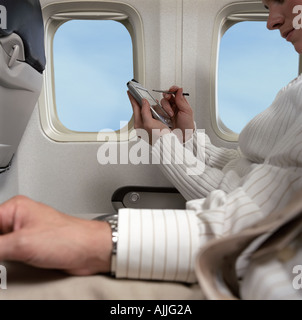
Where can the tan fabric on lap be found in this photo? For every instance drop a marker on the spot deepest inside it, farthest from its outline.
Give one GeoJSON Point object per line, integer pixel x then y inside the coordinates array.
{"type": "Point", "coordinates": [27, 283]}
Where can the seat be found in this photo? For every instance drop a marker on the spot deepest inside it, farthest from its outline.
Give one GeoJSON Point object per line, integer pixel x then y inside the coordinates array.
{"type": "Point", "coordinates": [22, 62]}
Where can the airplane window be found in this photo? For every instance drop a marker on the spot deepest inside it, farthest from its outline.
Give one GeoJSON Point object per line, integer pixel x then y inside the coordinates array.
{"type": "Point", "coordinates": [93, 61]}
{"type": "Point", "coordinates": [254, 63]}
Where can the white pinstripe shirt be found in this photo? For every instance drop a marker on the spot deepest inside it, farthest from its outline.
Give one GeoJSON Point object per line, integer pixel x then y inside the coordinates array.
{"type": "Point", "coordinates": [227, 190]}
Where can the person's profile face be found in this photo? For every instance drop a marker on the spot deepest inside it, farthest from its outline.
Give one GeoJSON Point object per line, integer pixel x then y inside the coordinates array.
{"type": "Point", "coordinates": [286, 16]}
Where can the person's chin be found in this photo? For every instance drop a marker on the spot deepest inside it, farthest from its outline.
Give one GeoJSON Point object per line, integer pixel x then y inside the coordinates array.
{"type": "Point", "coordinates": [298, 46]}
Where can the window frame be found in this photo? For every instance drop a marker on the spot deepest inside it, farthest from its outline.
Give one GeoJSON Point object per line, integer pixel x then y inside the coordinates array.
{"type": "Point", "coordinates": [54, 16]}
{"type": "Point", "coordinates": [226, 18]}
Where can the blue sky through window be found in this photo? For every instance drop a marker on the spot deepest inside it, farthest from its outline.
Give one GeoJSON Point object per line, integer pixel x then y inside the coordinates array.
{"type": "Point", "coordinates": [93, 61]}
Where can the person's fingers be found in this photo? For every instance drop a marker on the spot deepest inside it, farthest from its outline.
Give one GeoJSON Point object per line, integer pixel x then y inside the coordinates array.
{"type": "Point", "coordinates": [7, 215]}
{"type": "Point", "coordinates": [167, 107]}
{"type": "Point", "coordinates": [177, 100]}
{"type": "Point", "coordinates": [181, 101]}
{"type": "Point", "coordinates": [146, 112]}
{"type": "Point", "coordinates": [174, 88]}
{"type": "Point", "coordinates": [20, 211]}
{"type": "Point", "coordinates": [8, 247]}
{"type": "Point", "coordinates": [136, 111]}
{"type": "Point", "coordinates": [170, 96]}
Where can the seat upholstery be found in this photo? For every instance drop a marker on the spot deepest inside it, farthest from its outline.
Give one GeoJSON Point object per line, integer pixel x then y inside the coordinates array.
{"type": "Point", "coordinates": [22, 61]}
{"type": "Point", "coordinates": [24, 18]}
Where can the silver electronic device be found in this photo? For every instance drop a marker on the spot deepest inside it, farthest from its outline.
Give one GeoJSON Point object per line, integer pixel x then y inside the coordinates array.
{"type": "Point", "coordinates": [139, 93]}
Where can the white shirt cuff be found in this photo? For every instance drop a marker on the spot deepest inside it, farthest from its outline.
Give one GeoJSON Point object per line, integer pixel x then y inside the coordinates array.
{"type": "Point", "coordinates": [157, 244]}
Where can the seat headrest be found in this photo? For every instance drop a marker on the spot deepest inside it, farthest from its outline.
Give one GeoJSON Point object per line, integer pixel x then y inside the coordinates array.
{"type": "Point", "coordinates": [24, 17]}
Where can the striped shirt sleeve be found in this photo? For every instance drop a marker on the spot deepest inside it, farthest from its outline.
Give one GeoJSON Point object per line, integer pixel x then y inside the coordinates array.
{"type": "Point", "coordinates": [188, 170]}
{"type": "Point", "coordinates": [202, 148]}
{"type": "Point", "coordinates": [157, 245]}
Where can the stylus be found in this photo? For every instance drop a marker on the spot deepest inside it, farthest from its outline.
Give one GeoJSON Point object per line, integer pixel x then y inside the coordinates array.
{"type": "Point", "coordinates": [170, 92]}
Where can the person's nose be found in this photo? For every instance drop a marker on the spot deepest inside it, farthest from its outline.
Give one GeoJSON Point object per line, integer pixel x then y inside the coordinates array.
{"type": "Point", "coordinates": [275, 20]}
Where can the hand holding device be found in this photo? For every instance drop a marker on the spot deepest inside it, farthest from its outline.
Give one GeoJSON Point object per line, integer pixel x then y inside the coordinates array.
{"type": "Point", "coordinates": [140, 93]}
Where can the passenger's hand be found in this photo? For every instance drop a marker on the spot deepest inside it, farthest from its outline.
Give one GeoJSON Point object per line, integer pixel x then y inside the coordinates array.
{"type": "Point", "coordinates": [40, 236]}
{"type": "Point", "coordinates": [181, 111]}
{"type": "Point", "coordinates": [147, 127]}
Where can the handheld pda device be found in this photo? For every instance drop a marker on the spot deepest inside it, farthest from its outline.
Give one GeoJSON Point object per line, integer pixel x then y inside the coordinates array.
{"type": "Point", "coordinates": [139, 93]}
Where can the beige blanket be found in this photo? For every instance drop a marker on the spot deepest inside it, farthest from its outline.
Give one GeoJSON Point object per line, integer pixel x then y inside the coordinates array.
{"type": "Point", "coordinates": [28, 283]}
